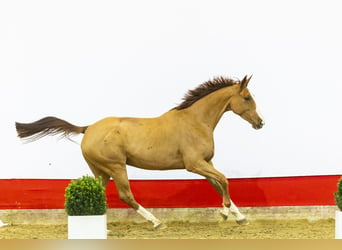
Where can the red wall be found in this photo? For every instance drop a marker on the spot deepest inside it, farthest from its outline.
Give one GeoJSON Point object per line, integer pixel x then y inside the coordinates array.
{"type": "Point", "coordinates": [280, 191]}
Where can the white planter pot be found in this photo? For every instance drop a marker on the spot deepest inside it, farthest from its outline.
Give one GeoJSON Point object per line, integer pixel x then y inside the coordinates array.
{"type": "Point", "coordinates": [338, 224]}
{"type": "Point", "coordinates": [87, 227]}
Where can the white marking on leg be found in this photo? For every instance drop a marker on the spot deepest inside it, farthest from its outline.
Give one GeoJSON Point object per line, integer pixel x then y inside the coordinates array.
{"type": "Point", "coordinates": [148, 216]}
{"type": "Point", "coordinates": [2, 224]}
{"type": "Point", "coordinates": [225, 211]}
{"type": "Point", "coordinates": [239, 216]}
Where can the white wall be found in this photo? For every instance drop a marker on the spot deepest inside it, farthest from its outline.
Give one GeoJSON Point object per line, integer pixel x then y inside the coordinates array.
{"type": "Point", "coordinates": [84, 60]}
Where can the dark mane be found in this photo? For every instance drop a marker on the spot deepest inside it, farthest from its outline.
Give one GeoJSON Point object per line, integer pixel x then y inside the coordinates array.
{"type": "Point", "coordinates": [205, 89]}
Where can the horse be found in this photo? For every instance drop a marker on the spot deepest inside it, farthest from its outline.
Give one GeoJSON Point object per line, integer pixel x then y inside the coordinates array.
{"type": "Point", "coordinates": [181, 138]}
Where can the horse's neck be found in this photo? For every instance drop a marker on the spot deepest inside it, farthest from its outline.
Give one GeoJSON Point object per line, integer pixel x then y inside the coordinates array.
{"type": "Point", "coordinates": [210, 108]}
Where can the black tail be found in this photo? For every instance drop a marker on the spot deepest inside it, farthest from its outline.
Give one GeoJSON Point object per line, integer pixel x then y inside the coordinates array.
{"type": "Point", "coordinates": [47, 126]}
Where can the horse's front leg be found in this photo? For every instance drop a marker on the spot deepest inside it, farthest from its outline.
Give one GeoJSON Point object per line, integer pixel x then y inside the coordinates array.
{"type": "Point", "coordinates": [240, 218]}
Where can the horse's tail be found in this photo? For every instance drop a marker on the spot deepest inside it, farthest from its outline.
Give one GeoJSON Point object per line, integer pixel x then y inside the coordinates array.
{"type": "Point", "coordinates": [47, 126]}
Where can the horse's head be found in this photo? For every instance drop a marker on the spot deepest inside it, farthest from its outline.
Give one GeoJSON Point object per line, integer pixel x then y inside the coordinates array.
{"type": "Point", "coordinates": [243, 104]}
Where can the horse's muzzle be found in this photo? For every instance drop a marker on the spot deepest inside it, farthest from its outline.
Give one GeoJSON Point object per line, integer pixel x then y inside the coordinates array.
{"type": "Point", "coordinates": [259, 125]}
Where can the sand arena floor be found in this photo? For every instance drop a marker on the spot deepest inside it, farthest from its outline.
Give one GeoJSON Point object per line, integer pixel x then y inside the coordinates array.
{"type": "Point", "coordinates": [257, 229]}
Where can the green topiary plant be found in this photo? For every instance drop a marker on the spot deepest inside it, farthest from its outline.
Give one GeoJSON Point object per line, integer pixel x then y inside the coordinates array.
{"type": "Point", "coordinates": [338, 195]}
{"type": "Point", "coordinates": [85, 196]}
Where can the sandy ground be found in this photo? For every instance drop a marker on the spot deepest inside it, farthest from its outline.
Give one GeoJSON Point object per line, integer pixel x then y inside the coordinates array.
{"type": "Point", "coordinates": [258, 229]}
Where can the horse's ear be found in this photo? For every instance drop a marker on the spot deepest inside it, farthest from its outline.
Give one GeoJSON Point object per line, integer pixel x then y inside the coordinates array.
{"type": "Point", "coordinates": [244, 82]}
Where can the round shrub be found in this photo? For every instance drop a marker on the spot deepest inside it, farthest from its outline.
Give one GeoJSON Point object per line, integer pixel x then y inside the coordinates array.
{"type": "Point", "coordinates": [338, 195]}
{"type": "Point", "coordinates": [85, 196]}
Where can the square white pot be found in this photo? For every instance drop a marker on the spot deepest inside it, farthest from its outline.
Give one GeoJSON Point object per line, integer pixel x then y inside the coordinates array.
{"type": "Point", "coordinates": [87, 227]}
{"type": "Point", "coordinates": [338, 224]}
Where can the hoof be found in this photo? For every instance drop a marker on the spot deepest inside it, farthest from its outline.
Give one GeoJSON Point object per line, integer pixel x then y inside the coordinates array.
{"type": "Point", "coordinates": [225, 217]}
{"type": "Point", "coordinates": [3, 224]}
{"type": "Point", "coordinates": [160, 226]}
{"type": "Point", "coordinates": [243, 222]}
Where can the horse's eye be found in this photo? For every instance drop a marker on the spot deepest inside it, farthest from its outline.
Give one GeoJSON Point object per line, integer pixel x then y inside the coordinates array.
{"type": "Point", "coordinates": [247, 98]}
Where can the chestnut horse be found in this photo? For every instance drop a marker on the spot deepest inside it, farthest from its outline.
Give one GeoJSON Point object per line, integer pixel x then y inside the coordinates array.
{"type": "Point", "coordinates": [181, 138]}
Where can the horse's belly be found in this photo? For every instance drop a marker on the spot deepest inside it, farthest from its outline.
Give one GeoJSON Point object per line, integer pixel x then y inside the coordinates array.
{"type": "Point", "coordinates": [156, 162]}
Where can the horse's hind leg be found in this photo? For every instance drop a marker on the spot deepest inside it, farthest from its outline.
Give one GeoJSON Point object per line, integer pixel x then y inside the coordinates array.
{"type": "Point", "coordinates": [119, 175]}
{"type": "Point", "coordinates": [98, 173]}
